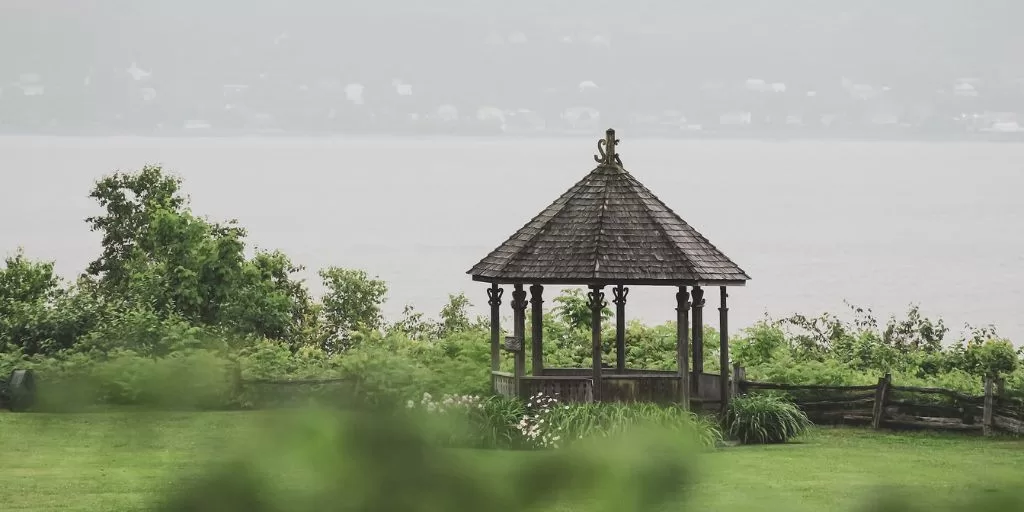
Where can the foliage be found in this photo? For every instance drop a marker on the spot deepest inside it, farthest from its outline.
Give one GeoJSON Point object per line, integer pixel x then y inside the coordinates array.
{"type": "Point", "coordinates": [764, 419]}
{"type": "Point", "coordinates": [542, 422]}
{"type": "Point", "coordinates": [546, 423]}
{"type": "Point", "coordinates": [454, 318]}
{"type": "Point", "coordinates": [352, 303]}
{"type": "Point", "coordinates": [573, 308]}
{"type": "Point", "coordinates": [171, 283]}
{"type": "Point", "coordinates": [130, 201]}
{"type": "Point", "coordinates": [472, 421]}
{"type": "Point", "coordinates": [37, 313]}
{"type": "Point", "coordinates": [185, 379]}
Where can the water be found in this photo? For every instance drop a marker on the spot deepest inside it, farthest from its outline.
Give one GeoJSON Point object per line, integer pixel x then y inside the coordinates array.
{"type": "Point", "coordinates": [881, 224]}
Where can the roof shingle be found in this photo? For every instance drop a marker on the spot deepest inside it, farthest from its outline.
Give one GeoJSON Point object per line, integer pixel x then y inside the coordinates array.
{"type": "Point", "coordinates": [608, 228]}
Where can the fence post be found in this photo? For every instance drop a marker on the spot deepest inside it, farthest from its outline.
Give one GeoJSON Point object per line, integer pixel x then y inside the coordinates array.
{"type": "Point", "coordinates": [739, 373]}
{"type": "Point", "coordinates": [986, 422]}
{"type": "Point", "coordinates": [881, 396]}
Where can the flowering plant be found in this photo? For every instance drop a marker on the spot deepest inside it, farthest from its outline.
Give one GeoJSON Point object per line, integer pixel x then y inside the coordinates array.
{"type": "Point", "coordinates": [448, 403]}
{"type": "Point", "coordinates": [536, 425]}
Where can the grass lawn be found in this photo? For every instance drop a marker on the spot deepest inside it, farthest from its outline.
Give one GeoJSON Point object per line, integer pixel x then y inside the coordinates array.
{"type": "Point", "coordinates": [123, 461]}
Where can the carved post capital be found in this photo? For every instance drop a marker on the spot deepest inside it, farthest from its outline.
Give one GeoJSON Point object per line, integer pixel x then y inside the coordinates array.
{"type": "Point", "coordinates": [698, 297]}
{"type": "Point", "coordinates": [683, 299]}
{"type": "Point", "coordinates": [536, 294]}
{"type": "Point", "coordinates": [619, 294]}
{"type": "Point", "coordinates": [595, 299]}
{"type": "Point", "coordinates": [519, 301]}
{"type": "Point", "coordinates": [494, 296]}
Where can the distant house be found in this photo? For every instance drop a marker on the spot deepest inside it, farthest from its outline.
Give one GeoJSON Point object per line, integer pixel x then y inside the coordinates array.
{"type": "Point", "coordinates": [32, 89]}
{"type": "Point", "coordinates": [491, 115]}
{"type": "Point", "coordinates": [996, 122]}
{"type": "Point", "coordinates": [138, 73]}
{"type": "Point", "coordinates": [30, 84]}
{"type": "Point", "coordinates": [736, 118]}
{"type": "Point", "coordinates": [965, 90]}
{"type": "Point", "coordinates": [582, 118]}
{"type": "Point", "coordinates": [447, 113]}
{"type": "Point", "coordinates": [517, 38]}
{"type": "Point", "coordinates": [884, 119]}
{"type": "Point", "coordinates": [1005, 127]}
{"type": "Point", "coordinates": [354, 93]}
{"type": "Point", "coordinates": [197, 125]}
{"type": "Point", "coordinates": [524, 121]}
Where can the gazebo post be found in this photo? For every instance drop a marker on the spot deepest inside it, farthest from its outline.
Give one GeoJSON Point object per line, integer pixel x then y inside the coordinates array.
{"type": "Point", "coordinates": [698, 336]}
{"type": "Point", "coordinates": [537, 325]}
{"type": "Point", "coordinates": [683, 345]}
{"type": "Point", "coordinates": [519, 332]}
{"type": "Point", "coordinates": [494, 300]}
{"type": "Point", "coordinates": [723, 323]}
{"type": "Point", "coordinates": [597, 304]}
{"type": "Point", "coordinates": [619, 293]}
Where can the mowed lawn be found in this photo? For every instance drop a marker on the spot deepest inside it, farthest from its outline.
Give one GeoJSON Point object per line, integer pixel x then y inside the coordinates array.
{"type": "Point", "coordinates": [124, 461]}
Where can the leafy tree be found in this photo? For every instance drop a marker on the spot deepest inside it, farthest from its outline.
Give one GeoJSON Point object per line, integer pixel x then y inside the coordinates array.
{"type": "Point", "coordinates": [130, 200]}
{"type": "Point", "coordinates": [413, 325]}
{"type": "Point", "coordinates": [573, 308]}
{"type": "Point", "coordinates": [158, 254]}
{"type": "Point", "coordinates": [38, 314]}
{"type": "Point", "coordinates": [352, 302]}
{"type": "Point", "coordinates": [915, 332]}
{"type": "Point", "coordinates": [268, 302]}
{"type": "Point", "coordinates": [28, 290]}
{"type": "Point", "coordinates": [185, 265]}
{"type": "Point", "coordinates": [454, 318]}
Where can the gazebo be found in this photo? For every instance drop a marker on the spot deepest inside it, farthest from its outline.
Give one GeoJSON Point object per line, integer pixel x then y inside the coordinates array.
{"type": "Point", "coordinates": [609, 230]}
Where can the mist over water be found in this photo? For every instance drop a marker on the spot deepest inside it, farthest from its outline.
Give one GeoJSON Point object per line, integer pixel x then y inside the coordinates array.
{"type": "Point", "coordinates": [813, 222]}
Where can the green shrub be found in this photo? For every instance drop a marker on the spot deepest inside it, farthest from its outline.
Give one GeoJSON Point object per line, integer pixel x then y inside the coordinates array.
{"type": "Point", "coordinates": [571, 422]}
{"type": "Point", "coordinates": [764, 419]}
{"type": "Point", "coordinates": [467, 421]}
{"type": "Point", "coordinates": [189, 379]}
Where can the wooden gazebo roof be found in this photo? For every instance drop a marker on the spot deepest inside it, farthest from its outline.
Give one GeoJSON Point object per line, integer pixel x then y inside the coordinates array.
{"type": "Point", "coordinates": [608, 229]}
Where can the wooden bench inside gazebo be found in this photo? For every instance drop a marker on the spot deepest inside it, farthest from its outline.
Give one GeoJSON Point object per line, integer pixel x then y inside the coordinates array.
{"type": "Point", "coordinates": [609, 231]}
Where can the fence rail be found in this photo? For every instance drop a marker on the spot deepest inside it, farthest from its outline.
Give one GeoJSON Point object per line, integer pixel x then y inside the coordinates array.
{"type": "Point", "coordinates": [885, 405]}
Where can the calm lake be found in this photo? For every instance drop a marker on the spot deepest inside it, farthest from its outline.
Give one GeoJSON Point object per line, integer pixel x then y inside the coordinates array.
{"type": "Point", "coordinates": [880, 224]}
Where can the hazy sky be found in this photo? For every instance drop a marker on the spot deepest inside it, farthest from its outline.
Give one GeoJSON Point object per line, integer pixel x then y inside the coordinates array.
{"type": "Point", "coordinates": [868, 40]}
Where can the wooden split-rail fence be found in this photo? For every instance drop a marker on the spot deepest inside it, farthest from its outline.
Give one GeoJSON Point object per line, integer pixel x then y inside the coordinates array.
{"type": "Point", "coordinates": [886, 405]}
{"type": "Point", "coordinates": [881, 405]}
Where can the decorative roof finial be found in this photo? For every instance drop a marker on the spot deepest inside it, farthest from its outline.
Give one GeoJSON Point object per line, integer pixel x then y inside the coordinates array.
{"type": "Point", "coordinates": [606, 149]}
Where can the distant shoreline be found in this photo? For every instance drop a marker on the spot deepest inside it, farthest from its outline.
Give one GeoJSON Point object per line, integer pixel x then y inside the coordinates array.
{"type": "Point", "coordinates": [635, 134]}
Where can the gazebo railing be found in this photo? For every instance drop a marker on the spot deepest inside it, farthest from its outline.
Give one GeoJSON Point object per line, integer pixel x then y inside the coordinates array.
{"type": "Point", "coordinates": [566, 389]}
{"type": "Point", "coordinates": [626, 387]}
{"type": "Point", "coordinates": [504, 384]}
{"type": "Point", "coordinates": [577, 385]}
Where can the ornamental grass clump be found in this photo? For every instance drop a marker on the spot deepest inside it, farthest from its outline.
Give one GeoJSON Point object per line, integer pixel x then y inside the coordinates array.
{"type": "Point", "coordinates": [471, 421]}
{"type": "Point", "coordinates": [549, 423]}
{"type": "Point", "coordinates": [764, 419]}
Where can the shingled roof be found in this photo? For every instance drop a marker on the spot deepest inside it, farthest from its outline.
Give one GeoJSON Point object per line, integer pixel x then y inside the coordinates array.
{"type": "Point", "coordinates": [608, 229]}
